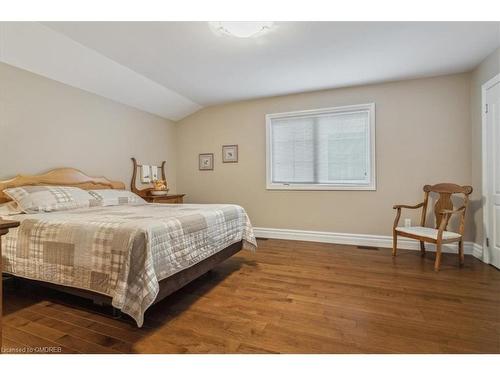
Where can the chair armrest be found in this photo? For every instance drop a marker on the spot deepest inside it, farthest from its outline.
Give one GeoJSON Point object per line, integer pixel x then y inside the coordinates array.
{"type": "Point", "coordinates": [444, 221]}
{"type": "Point", "coordinates": [451, 212]}
{"type": "Point", "coordinates": [399, 206]}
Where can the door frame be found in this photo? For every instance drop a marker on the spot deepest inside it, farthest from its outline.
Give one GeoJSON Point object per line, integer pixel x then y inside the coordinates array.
{"type": "Point", "coordinates": [490, 83]}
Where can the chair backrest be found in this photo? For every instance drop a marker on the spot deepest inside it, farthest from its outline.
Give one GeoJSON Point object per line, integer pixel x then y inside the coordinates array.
{"type": "Point", "coordinates": [445, 191]}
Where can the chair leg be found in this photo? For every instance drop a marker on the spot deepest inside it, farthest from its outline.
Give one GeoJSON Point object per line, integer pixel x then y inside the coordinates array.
{"type": "Point", "coordinates": [394, 244]}
{"type": "Point", "coordinates": [461, 256]}
{"type": "Point", "coordinates": [422, 248]}
{"type": "Point", "coordinates": [437, 263]}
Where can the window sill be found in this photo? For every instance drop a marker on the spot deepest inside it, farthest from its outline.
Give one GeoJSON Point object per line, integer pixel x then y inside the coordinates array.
{"type": "Point", "coordinates": [321, 187]}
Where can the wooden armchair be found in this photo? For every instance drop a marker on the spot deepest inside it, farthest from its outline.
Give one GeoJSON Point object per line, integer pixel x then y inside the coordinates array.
{"type": "Point", "coordinates": [443, 210]}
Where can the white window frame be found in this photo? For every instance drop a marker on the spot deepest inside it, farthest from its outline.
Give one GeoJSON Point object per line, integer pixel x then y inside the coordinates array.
{"type": "Point", "coordinates": [371, 185]}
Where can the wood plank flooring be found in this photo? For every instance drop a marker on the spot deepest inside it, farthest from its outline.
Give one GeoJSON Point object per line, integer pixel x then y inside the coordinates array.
{"type": "Point", "coordinates": [288, 297]}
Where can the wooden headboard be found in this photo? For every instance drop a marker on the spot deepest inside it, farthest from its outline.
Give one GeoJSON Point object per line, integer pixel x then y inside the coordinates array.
{"type": "Point", "coordinates": [59, 177]}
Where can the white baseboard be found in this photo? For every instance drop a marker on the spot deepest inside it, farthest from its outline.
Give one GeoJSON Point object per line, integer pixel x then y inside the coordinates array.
{"type": "Point", "coordinates": [477, 250]}
{"type": "Point", "coordinates": [470, 248]}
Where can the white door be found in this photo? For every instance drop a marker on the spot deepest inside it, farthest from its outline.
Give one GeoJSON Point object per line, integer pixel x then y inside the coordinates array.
{"type": "Point", "coordinates": [492, 177]}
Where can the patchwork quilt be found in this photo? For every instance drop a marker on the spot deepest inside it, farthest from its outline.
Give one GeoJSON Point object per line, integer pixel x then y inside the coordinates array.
{"type": "Point", "coordinates": [122, 251]}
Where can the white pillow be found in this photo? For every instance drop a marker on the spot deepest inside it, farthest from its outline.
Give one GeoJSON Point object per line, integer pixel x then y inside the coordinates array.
{"type": "Point", "coordinates": [34, 199]}
{"type": "Point", "coordinates": [9, 208]}
{"type": "Point", "coordinates": [113, 197]}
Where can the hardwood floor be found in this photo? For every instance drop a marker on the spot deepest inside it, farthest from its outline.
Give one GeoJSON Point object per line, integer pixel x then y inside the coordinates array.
{"type": "Point", "coordinates": [289, 297]}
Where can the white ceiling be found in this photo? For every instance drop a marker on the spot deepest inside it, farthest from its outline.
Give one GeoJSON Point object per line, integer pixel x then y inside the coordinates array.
{"type": "Point", "coordinates": [190, 61]}
{"type": "Point", "coordinates": [38, 49]}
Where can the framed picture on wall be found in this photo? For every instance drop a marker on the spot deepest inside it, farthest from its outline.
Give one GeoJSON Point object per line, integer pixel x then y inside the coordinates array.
{"type": "Point", "coordinates": [206, 162]}
{"type": "Point", "coordinates": [230, 153]}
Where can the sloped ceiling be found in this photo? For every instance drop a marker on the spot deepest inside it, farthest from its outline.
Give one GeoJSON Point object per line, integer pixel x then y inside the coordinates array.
{"type": "Point", "coordinates": [41, 50]}
{"type": "Point", "coordinates": [173, 69]}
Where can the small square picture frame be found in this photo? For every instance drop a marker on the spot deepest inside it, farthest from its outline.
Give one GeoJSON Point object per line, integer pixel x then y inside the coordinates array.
{"type": "Point", "coordinates": [230, 153]}
{"type": "Point", "coordinates": [206, 162]}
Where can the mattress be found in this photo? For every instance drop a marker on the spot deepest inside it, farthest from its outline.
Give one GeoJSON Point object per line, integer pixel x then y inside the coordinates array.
{"type": "Point", "coordinates": [122, 251]}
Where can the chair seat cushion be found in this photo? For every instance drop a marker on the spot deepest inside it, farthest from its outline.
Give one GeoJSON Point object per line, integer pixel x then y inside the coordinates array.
{"type": "Point", "coordinates": [427, 232]}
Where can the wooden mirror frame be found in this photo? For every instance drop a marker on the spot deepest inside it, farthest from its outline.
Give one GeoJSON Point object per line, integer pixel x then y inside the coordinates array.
{"type": "Point", "coordinates": [143, 192]}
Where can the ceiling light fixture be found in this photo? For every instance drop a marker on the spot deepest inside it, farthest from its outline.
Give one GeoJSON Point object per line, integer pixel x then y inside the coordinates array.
{"type": "Point", "coordinates": [242, 29]}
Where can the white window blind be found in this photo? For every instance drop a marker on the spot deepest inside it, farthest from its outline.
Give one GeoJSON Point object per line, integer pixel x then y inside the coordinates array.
{"type": "Point", "coordinates": [322, 149]}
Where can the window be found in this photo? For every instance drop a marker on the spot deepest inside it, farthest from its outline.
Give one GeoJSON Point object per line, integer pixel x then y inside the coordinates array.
{"type": "Point", "coordinates": [323, 149]}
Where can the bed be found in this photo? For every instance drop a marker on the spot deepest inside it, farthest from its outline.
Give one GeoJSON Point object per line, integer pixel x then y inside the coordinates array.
{"type": "Point", "coordinates": [126, 255]}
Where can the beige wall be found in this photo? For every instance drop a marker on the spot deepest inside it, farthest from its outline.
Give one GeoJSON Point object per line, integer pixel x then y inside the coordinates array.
{"type": "Point", "coordinates": [489, 68]}
{"type": "Point", "coordinates": [45, 124]}
{"type": "Point", "coordinates": [423, 136]}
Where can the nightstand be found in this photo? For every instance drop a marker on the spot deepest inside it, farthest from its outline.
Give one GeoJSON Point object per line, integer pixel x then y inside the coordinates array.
{"type": "Point", "coordinates": [5, 225]}
{"type": "Point", "coordinates": [169, 198]}
{"type": "Point", "coordinates": [145, 193]}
